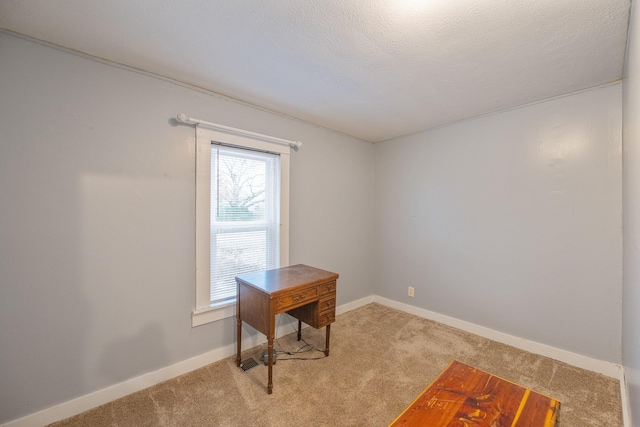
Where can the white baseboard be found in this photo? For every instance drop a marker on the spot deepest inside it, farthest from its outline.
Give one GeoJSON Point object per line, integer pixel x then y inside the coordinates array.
{"type": "Point", "coordinates": [602, 367]}
{"type": "Point", "coordinates": [116, 391]}
{"type": "Point", "coordinates": [354, 304]}
{"type": "Point", "coordinates": [624, 398]}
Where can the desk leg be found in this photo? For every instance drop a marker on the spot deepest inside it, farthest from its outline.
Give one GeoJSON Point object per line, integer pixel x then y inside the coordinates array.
{"type": "Point", "coordinates": [326, 345]}
{"type": "Point", "coordinates": [238, 325]}
{"type": "Point", "coordinates": [299, 329]}
{"type": "Point", "coordinates": [239, 338]}
{"type": "Point", "coordinates": [272, 333]}
{"type": "Point", "coordinates": [270, 363]}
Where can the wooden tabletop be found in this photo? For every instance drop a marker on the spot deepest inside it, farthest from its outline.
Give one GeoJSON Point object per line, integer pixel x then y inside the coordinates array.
{"type": "Point", "coordinates": [272, 281]}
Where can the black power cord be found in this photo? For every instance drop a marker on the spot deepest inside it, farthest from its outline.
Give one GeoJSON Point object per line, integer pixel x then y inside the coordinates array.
{"type": "Point", "coordinates": [306, 348]}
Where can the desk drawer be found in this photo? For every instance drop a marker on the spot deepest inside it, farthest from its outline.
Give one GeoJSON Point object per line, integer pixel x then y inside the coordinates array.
{"type": "Point", "coordinates": [327, 303]}
{"type": "Point", "coordinates": [298, 298]}
{"type": "Point", "coordinates": [326, 318]}
{"type": "Point", "coordinates": [327, 288]}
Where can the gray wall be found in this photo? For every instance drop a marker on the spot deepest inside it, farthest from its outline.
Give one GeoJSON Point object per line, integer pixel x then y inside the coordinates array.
{"type": "Point", "coordinates": [511, 221]}
{"type": "Point", "coordinates": [631, 185]}
{"type": "Point", "coordinates": [97, 259]}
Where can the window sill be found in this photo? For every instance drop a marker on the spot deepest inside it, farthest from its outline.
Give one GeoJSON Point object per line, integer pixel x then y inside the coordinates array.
{"type": "Point", "coordinates": [202, 316]}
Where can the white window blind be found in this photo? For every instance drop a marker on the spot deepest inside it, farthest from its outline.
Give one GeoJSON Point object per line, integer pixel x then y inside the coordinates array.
{"type": "Point", "coordinates": [245, 219]}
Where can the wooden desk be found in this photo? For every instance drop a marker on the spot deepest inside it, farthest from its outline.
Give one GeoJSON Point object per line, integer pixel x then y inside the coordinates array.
{"type": "Point", "coordinates": [306, 293]}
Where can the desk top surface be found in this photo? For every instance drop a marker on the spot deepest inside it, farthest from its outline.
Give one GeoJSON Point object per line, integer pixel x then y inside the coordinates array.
{"type": "Point", "coordinates": [279, 279]}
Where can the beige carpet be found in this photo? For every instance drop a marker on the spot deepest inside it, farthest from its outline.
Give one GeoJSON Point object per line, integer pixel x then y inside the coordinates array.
{"type": "Point", "coordinates": [381, 359]}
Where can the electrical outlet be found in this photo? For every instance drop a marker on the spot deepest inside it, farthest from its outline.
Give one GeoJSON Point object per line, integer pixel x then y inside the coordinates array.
{"type": "Point", "coordinates": [411, 291]}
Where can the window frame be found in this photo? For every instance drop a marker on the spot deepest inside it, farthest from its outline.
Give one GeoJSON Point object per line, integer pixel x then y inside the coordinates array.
{"type": "Point", "coordinates": [204, 311]}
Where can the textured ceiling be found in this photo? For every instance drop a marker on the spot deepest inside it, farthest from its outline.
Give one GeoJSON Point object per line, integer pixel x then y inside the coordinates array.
{"type": "Point", "coordinates": [374, 69]}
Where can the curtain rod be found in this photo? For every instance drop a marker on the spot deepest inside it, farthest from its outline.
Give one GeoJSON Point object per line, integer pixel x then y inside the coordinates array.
{"type": "Point", "coordinates": [183, 118]}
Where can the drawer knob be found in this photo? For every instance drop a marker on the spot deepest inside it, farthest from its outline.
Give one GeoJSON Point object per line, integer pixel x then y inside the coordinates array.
{"type": "Point", "coordinates": [298, 298]}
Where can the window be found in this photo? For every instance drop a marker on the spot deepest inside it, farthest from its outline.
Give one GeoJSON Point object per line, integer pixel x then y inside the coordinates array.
{"type": "Point", "coordinates": [245, 221]}
{"type": "Point", "coordinates": [242, 192]}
